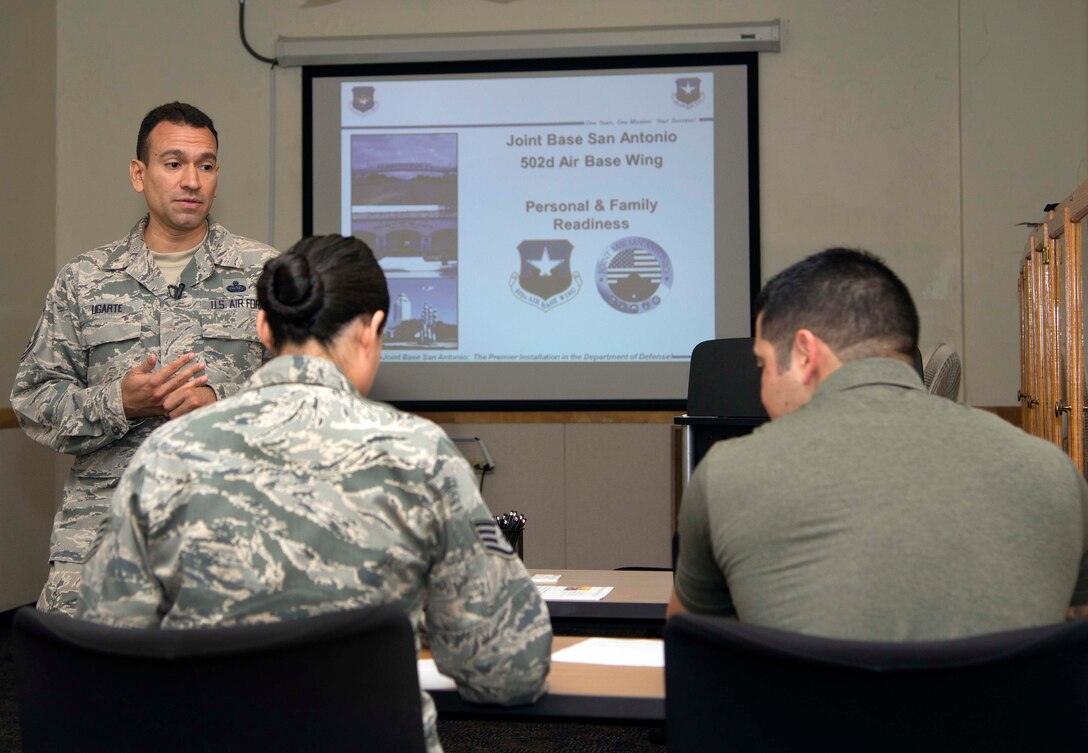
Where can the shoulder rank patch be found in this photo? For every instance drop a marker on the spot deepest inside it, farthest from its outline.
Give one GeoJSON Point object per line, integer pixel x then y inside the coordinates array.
{"type": "Point", "coordinates": [493, 539]}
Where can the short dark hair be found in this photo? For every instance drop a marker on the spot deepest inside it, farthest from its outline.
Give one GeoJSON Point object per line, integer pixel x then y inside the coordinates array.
{"type": "Point", "coordinates": [177, 113]}
{"type": "Point", "coordinates": [846, 297]}
{"type": "Point", "coordinates": [318, 286]}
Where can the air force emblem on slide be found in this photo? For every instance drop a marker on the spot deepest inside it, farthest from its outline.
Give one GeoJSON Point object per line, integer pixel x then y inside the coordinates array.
{"type": "Point", "coordinates": [362, 98]}
{"type": "Point", "coordinates": [545, 279]}
{"type": "Point", "coordinates": [688, 92]}
{"type": "Point", "coordinates": [492, 537]}
{"type": "Point", "coordinates": [634, 275]}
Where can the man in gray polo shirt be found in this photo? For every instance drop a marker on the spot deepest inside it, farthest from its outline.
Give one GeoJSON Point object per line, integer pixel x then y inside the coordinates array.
{"type": "Point", "coordinates": [867, 508]}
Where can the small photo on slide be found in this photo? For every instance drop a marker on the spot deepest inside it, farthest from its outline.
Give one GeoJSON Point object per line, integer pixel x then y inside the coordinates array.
{"type": "Point", "coordinates": [422, 314]}
{"type": "Point", "coordinates": [403, 172]}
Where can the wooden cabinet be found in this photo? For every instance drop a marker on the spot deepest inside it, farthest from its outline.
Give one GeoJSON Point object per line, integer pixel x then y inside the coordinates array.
{"type": "Point", "coordinates": [1051, 290]}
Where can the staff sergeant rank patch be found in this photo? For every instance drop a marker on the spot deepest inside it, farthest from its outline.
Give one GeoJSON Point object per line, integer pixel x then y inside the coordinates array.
{"type": "Point", "coordinates": [492, 537]}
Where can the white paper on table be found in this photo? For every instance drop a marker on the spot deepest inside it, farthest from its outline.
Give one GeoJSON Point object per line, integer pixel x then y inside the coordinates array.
{"type": "Point", "coordinates": [573, 593]}
{"type": "Point", "coordinates": [431, 679]}
{"type": "Point", "coordinates": [615, 652]}
{"type": "Point", "coordinates": [546, 578]}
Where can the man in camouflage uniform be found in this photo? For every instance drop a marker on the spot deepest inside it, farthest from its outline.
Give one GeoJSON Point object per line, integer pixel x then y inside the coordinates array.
{"type": "Point", "coordinates": [298, 497]}
{"type": "Point", "coordinates": [177, 291]}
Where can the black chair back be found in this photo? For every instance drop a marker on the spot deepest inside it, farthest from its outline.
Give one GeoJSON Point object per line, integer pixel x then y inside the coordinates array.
{"type": "Point", "coordinates": [335, 682]}
{"type": "Point", "coordinates": [737, 687]}
{"type": "Point", "coordinates": [723, 380]}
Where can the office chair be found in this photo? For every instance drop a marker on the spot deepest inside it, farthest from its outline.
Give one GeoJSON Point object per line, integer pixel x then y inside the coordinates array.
{"type": "Point", "coordinates": [723, 398]}
{"type": "Point", "coordinates": [942, 372]}
{"type": "Point", "coordinates": [336, 682]}
{"type": "Point", "coordinates": [748, 689]}
{"type": "Point", "coordinates": [723, 380]}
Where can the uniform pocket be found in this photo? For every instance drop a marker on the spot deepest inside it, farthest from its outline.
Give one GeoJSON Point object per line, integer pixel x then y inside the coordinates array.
{"type": "Point", "coordinates": [230, 324]}
{"type": "Point", "coordinates": [231, 348]}
{"type": "Point", "coordinates": [112, 345]}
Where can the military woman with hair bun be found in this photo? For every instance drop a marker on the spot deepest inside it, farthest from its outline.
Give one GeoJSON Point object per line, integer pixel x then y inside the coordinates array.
{"type": "Point", "coordinates": [300, 496]}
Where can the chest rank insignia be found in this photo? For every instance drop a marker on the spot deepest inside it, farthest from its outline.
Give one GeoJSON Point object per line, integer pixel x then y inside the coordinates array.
{"type": "Point", "coordinates": [235, 287]}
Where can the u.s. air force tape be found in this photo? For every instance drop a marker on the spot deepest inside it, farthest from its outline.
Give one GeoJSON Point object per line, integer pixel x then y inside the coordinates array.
{"type": "Point", "coordinates": [493, 539]}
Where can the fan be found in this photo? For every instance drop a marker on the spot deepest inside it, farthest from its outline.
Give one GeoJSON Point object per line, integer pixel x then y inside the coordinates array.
{"type": "Point", "coordinates": [942, 372]}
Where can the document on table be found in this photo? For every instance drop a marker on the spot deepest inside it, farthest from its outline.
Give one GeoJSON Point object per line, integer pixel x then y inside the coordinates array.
{"type": "Point", "coordinates": [431, 679]}
{"type": "Point", "coordinates": [546, 578]}
{"type": "Point", "coordinates": [573, 593]}
{"type": "Point", "coordinates": [615, 652]}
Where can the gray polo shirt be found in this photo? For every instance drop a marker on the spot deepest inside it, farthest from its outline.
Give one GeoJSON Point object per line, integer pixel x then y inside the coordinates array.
{"type": "Point", "coordinates": [877, 511]}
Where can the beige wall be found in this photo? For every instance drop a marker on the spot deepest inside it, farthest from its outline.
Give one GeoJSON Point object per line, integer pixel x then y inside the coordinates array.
{"type": "Point", "coordinates": [27, 218]}
{"type": "Point", "coordinates": [907, 128]}
{"type": "Point", "coordinates": [595, 496]}
{"type": "Point", "coordinates": [28, 151]}
{"type": "Point", "coordinates": [1025, 140]}
{"type": "Point", "coordinates": [922, 130]}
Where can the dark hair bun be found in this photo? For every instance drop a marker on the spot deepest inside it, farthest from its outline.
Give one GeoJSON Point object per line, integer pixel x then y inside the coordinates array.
{"type": "Point", "coordinates": [314, 289]}
{"type": "Point", "coordinates": [297, 292]}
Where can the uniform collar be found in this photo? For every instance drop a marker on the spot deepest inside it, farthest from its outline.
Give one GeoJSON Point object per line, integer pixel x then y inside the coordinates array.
{"type": "Point", "coordinates": [213, 251]}
{"type": "Point", "coordinates": [311, 370]}
{"type": "Point", "coordinates": [869, 371]}
{"type": "Point", "coordinates": [132, 255]}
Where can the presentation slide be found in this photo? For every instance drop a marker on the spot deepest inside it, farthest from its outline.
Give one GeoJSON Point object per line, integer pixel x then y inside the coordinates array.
{"type": "Point", "coordinates": [587, 225]}
{"type": "Point", "coordinates": [563, 219]}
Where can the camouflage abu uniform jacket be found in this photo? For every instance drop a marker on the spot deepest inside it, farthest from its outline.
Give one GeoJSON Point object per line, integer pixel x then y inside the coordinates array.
{"type": "Point", "coordinates": [298, 497]}
{"type": "Point", "coordinates": [107, 311]}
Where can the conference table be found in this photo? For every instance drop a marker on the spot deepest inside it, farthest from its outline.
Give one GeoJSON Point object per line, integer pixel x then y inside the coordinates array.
{"type": "Point", "coordinates": [631, 614]}
{"type": "Point", "coordinates": [635, 606]}
{"type": "Point", "coordinates": [576, 692]}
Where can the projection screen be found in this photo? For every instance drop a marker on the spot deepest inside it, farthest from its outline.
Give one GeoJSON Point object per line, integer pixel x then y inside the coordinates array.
{"type": "Point", "coordinates": [554, 233]}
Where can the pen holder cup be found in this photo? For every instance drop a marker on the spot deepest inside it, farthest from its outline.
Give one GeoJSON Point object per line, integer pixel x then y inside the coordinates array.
{"type": "Point", "coordinates": [512, 525]}
{"type": "Point", "coordinates": [516, 541]}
